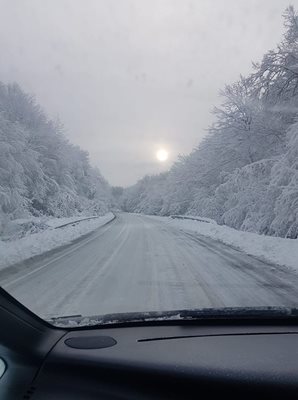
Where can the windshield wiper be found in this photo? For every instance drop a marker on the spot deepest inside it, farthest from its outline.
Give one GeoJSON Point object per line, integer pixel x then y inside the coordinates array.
{"type": "Point", "coordinates": [65, 317]}
{"type": "Point", "coordinates": [225, 313]}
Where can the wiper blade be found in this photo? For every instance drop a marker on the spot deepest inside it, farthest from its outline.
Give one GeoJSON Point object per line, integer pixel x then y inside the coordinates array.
{"type": "Point", "coordinates": [240, 313]}
{"type": "Point", "coordinates": [225, 313]}
{"type": "Point", "coordinates": [67, 317]}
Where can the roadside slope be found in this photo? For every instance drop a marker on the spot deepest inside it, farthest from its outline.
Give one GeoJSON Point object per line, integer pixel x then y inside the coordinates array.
{"type": "Point", "coordinates": [16, 251]}
{"type": "Point", "coordinates": [276, 250]}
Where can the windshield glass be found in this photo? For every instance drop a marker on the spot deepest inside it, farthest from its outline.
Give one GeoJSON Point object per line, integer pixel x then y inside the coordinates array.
{"type": "Point", "coordinates": [149, 158]}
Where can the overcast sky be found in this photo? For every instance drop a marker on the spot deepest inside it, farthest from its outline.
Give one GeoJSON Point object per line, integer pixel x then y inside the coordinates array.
{"type": "Point", "coordinates": [129, 76]}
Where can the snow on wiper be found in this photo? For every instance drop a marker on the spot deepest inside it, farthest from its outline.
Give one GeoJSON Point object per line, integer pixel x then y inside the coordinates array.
{"type": "Point", "coordinates": [226, 313]}
{"type": "Point", "coordinates": [67, 317]}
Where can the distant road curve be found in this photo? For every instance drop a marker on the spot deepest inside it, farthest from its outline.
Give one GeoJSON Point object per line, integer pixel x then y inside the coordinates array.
{"type": "Point", "coordinates": [138, 263]}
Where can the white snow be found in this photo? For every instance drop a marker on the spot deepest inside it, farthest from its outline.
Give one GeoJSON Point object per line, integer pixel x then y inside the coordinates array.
{"type": "Point", "coordinates": [21, 227]}
{"type": "Point", "coordinates": [140, 264]}
{"type": "Point", "coordinates": [275, 250]}
{"type": "Point", "coordinates": [195, 218]}
{"type": "Point", "coordinates": [15, 251]}
{"type": "Point", "coordinates": [56, 222]}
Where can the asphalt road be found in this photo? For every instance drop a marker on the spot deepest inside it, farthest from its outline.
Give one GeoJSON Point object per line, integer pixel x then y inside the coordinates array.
{"type": "Point", "coordinates": [138, 263]}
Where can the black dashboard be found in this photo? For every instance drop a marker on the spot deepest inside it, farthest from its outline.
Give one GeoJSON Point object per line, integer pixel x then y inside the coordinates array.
{"type": "Point", "coordinates": [164, 360]}
{"type": "Point", "coordinates": [173, 362]}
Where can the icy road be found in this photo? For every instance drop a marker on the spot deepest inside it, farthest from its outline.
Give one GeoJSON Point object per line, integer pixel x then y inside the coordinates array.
{"type": "Point", "coordinates": [138, 263]}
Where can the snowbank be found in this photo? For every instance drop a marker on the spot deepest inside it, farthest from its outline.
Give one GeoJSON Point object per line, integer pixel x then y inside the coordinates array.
{"type": "Point", "coordinates": [14, 251]}
{"type": "Point", "coordinates": [21, 227]}
{"type": "Point", "coordinates": [61, 222]}
{"type": "Point", "coordinates": [275, 250]}
{"type": "Point", "coordinates": [195, 218]}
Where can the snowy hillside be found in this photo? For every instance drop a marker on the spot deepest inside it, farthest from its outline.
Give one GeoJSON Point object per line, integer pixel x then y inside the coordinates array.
{"type": "Point", "coordinates": [49, 238]}
{"type": "Point", "coordinates": [245, 172]}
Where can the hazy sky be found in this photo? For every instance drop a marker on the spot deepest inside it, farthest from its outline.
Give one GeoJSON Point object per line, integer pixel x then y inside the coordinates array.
{"type": "Point", "coordinates": [129, 76]}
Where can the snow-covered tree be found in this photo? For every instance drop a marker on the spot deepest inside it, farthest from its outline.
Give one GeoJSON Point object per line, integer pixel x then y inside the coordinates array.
{"type": "Point", "coordinates": [244, 173]}
{"type": "Point", "coordinates": [41, 173]}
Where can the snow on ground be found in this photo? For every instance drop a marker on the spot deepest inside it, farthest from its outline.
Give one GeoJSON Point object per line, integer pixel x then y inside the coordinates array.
{"type": "Point", "coordinates": [272, 249]}
{"type": "Point", "coordinates": [56, 222]}
{"type": "Point", "coordinates": [196, 218]}
{"type": "Point", "coordinates": [18, 228]}
{"type": "Point", "coordinates": [138, 264]}
{"type": "Point", "coordinates": [14, 251]}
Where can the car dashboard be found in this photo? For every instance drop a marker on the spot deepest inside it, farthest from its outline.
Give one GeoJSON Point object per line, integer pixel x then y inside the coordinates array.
{"type": "Point", "coordinates": [157, 360]}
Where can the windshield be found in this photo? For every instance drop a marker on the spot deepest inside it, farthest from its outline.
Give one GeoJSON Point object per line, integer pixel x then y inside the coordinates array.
{"type": "Point", "coordinates": [149, 158]}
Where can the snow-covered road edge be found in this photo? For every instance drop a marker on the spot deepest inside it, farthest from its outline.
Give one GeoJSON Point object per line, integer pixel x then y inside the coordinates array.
{"type": "Point", "coordinates": [275, 250]}
{"type": "Point", "coordinates": [38, 243]}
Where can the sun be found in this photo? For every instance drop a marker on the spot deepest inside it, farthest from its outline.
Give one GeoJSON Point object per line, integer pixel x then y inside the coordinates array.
{"type": "Point", "coordinates": [162, 155]}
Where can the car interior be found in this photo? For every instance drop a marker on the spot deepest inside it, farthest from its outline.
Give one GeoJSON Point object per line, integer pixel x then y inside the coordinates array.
{"type": "Point", "coordinates": [148, 200]}
{"type": "Point", "coordinates": [213, 358]}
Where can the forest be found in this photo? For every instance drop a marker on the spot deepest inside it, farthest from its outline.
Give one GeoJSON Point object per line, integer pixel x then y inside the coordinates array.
{"type": "Point", "coordinates": [41, 172]}
{"type": "Point", "coordinates": [244, 174]}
